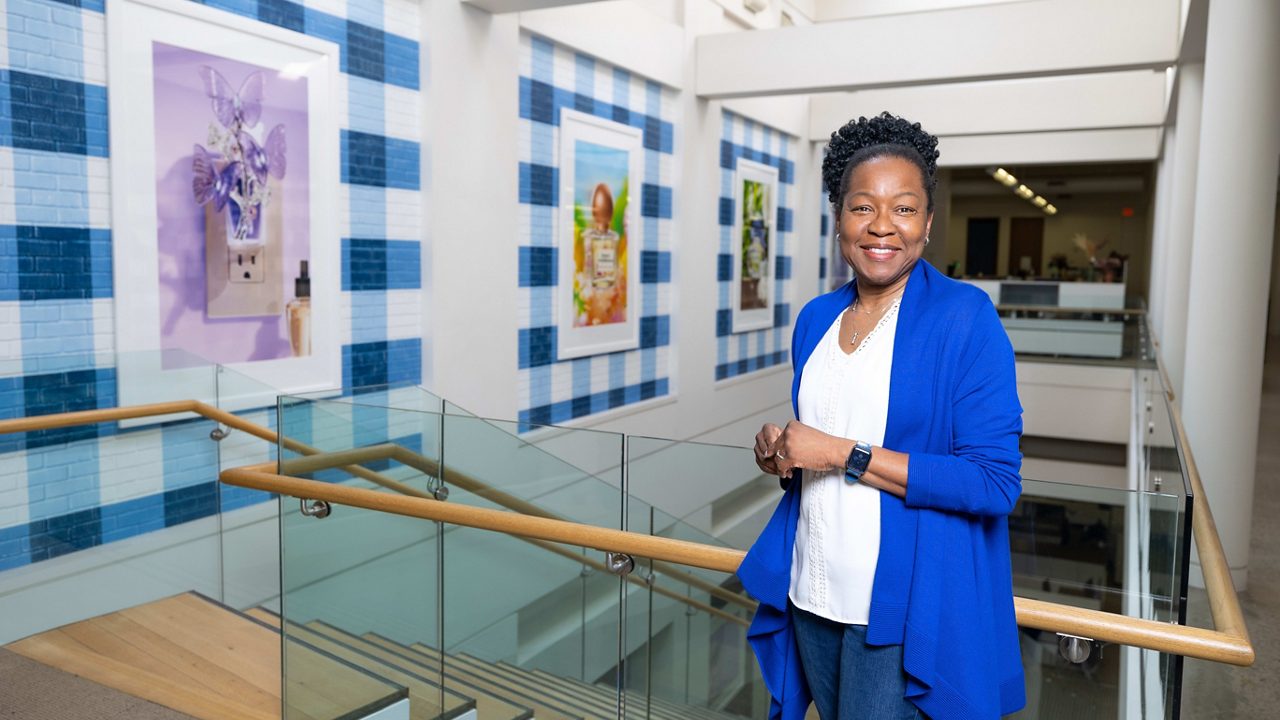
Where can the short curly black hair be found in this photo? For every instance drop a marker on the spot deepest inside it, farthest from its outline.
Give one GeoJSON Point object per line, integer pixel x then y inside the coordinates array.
{"type": "Point", "coordinates": [883, 135]}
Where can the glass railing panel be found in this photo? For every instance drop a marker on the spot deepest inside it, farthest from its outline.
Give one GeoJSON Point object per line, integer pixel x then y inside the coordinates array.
{"type": "Point", "coordinates": [542, 619]}
{"type": "Point", "coordinates": [689, 652]}
{"type": "Point", "coordinates": [1103, 549]}
{"type": "Point", "coordinates": [360, 587]}
{"type": "Point", "coordinates": [248, 519]}
{"type": "Point", "coordinates": [126, 507]}
{"type": "Point", "coordinates": [1076, 335]}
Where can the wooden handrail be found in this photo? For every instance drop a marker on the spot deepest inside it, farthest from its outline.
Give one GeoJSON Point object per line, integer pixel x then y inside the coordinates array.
{"type": "Point", "coordinates": [349, 461]}
{"type": "Point", "coordinates": [1229, 643]}
{"type": "Point", "coordinates": [427, 466]}
{"type": "Point", "coordinates": [1037, 614]}
{"type": "Point", "coordinates": [1224, 602]}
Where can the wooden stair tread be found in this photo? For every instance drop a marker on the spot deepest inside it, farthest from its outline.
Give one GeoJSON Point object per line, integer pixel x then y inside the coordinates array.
{"type": "Point", "coordinates": [490, 702]}
{"type": "Point", "coordinates": [657, 710]}
{"type": "Point", "coordinates": [456, 672]}
{"type": "Point", "coordinates": [522, 677]}
{"type": "Point", "coordinates": [424, 695]}
{"type": "Point", "coordinates": [190, 654]}
{"type": "Point", "coordinates": [264, 616]}
{"type": "Point", "coordinates": [550, 696]}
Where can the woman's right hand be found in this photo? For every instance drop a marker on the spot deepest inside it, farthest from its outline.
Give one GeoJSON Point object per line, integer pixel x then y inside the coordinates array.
{"type": "Point", "coordinates": [765, 459]}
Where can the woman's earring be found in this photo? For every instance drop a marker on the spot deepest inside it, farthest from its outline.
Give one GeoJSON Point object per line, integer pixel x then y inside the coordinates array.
{"type": "Point", "coordinates": [926, 239]}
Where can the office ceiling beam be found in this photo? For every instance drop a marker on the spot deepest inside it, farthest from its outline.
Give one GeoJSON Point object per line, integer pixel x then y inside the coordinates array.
{"type": "Point", "coordinates": [1131, 98]}
{"type": "Point", "coordinates": [1077, 146]}
{"type": "Point", "coordinates": [990, 42]}
{"type": "Point", "coordinates": [498, 7]}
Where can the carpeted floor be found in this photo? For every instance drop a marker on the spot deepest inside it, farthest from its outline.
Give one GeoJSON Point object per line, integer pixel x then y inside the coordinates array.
{"type": "Point", "coordinates": [34, 691]}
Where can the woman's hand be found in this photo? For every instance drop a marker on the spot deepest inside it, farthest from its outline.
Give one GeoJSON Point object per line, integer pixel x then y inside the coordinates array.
{"type": "Point", "coordinates": [765, 439]}
{"type": "Point", "coordinates": [804, 447]}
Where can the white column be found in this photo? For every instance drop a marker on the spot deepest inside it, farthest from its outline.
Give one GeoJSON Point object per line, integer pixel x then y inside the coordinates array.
{"type": "Point", "coordinates": [1182, 206]}
{"type": "Point", "coordinates": [1231, 261]}
{"type": "Point", "coordinates": [1163, 195]}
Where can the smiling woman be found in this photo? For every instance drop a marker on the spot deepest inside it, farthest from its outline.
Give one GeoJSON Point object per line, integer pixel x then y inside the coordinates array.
{"type": "Point", "coordinates": [884, 575]}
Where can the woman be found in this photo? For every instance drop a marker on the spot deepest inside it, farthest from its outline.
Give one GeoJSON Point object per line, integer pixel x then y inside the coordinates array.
{"type": "Point", "coordinates": [883, 577]}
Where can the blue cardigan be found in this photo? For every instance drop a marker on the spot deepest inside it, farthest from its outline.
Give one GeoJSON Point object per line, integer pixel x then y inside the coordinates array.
{"type": "Point", "coordinates": [943, 586]}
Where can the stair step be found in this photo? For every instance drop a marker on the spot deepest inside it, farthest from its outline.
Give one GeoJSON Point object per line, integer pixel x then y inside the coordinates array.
{"type": "Point", "coordinates": [583, 706]}
{"type": "Point", "coordinates": [193, 655]}
{"type": "Point", "coordinates": [543, 706]}
{"type": "Point", "coordinates": [519, 676]}
{"type": "Point", "coordinates": [635, 701]}
{"type": "Point", "coordinates": [427, 700]}
{"type": "Point", "coordinates": [492, 702]}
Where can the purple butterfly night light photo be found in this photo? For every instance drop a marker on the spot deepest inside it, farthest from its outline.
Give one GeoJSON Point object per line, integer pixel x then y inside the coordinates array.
{"type": "Point", "coordinates": [234, 171]}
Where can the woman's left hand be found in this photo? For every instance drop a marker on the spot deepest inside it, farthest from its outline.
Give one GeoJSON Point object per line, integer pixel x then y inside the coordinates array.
{"type": "Point", "coordinates": [807, 448]}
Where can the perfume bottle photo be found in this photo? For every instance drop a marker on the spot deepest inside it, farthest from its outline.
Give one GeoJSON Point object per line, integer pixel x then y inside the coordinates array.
{"type": "Point", "coordinates": [601, 241]}
{"type": "Point", "coordinates": [298, 313]}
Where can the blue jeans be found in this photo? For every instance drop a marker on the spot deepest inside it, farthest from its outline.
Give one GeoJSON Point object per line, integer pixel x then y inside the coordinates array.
{"type": "Point", "coordinates": [849, 679]}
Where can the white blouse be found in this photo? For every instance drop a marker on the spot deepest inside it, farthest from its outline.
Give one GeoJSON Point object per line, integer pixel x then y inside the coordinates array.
{"type": "Point", "coordinates": [838, 536]}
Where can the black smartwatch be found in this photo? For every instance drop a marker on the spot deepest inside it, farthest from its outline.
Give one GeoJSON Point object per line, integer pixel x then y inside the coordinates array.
{"type": "Point", "coordinates": [856, 465]}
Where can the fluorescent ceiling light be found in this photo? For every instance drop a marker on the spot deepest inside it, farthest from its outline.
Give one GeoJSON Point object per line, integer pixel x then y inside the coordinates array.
{"type": "Point", "coordinates": [1039, 202]}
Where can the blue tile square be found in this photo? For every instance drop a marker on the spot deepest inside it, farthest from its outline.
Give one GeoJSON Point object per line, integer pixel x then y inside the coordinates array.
{"type": "Point", "coordinates": [727, 155]}
{"type": "Point", "coordinates": [190, 503]}
{"type": "Point", "coordinates": [402, 59]}
{"type": "Point", "coordinates": [403, 164]}
{"type": "Point", "coordinates": [724, 267]}
{"type": "Point", "coordinates": [538, 266]}
{"type": "Point", "coordinates": [781, 314]}
{"type": "Point", "coordinates": [364, 159]}
{"type": "Point", "coordinates": [724, 322]}
{"type": "Point", "coordinates": [537, 346]}
{"type": "Point", "coordinates": [404, 265]}
{"type": "Point", "coordinates": [63, 534]}
{"type": "Point", "coordinates": [726, 211]}
{"type": "Point", "coordinates": [365, 56]}
{"type": "Point", "coordinates": [539, 185]}
{"type": "Point", "coordinates": [538, 101]}
{"type": "Point", "coordinates": [46, 114]}
{"type": "Point", "coordinates": [655, 201]}
{"type": "Point", "coordinates": [784, 219]}
{"type": "Point", "coordinates": [782, 269]}
{"type": "Point", "coordinates": [282, 13]}
{"type": "Point", "coordinates": [655, 266]}
{"type": "Point", "coordinates": [364, 264]}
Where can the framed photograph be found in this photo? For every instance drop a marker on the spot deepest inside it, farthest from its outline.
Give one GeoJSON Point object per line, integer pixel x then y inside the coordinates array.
{"type": "Point", "coordinates": [752, 243]}
{"type": "Point", "coordinates": [601, 172]}
{"type": "Point", "coordinates": [224, 186]}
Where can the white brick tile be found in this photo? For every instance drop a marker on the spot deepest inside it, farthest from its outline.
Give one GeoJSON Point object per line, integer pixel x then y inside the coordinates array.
{"type": "Point", "coordinates": [404, 214]}
{"type": "Point", "coordinates": [93, 34]}
{"type": "Point", "coordinates": [130, 465]}
{"type": "Point", "coordinates": [337, 8]}
{"type": "Point", "coordinates": [403, 112]}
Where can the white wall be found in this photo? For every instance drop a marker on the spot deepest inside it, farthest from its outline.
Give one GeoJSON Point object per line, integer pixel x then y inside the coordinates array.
{"type": "Point", "coordinates": [473, 224]}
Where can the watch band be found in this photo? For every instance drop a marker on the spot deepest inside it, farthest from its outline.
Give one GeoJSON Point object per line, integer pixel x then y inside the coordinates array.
{"type": "Point", "coordinates": [856, 465]}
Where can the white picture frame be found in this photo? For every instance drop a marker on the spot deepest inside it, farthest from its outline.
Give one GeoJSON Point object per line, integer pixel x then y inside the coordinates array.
{"type": "Point", "coordinates": [133, 28]}
{"type": "Point", "coordinates": [753, 284]}
{"type": "Point", "coordinates": [583, 328]}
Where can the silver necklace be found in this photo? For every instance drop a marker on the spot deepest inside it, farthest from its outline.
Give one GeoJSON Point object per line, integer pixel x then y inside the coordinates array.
{"type": "Point", "coordinates": [853, 340]}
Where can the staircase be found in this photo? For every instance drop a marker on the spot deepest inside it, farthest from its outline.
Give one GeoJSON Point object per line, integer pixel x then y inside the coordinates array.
{"type": "Point", "coordinates": [198, 657]}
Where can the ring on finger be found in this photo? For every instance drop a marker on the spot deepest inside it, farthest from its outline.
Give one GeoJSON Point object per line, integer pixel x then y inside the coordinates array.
{"type": "Point", "coordinates": [780, 456]}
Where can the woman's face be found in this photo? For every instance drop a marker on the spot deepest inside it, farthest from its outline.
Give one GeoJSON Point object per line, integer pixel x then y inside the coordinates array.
{"type": "Point", "coordinates": [884, 221]}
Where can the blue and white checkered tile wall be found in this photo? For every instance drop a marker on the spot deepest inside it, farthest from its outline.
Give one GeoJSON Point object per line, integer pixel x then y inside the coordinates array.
{"type": "Point", "coordinates": [834, 271]}
{"type": "Point", "coordinates": [825, 241]}
{"type": "Point", "coordinates": [551, 78]}
{"type": "Point", "coordinates": [740, 353]}
{"type": "Point", "coordinates": [71, 489]}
